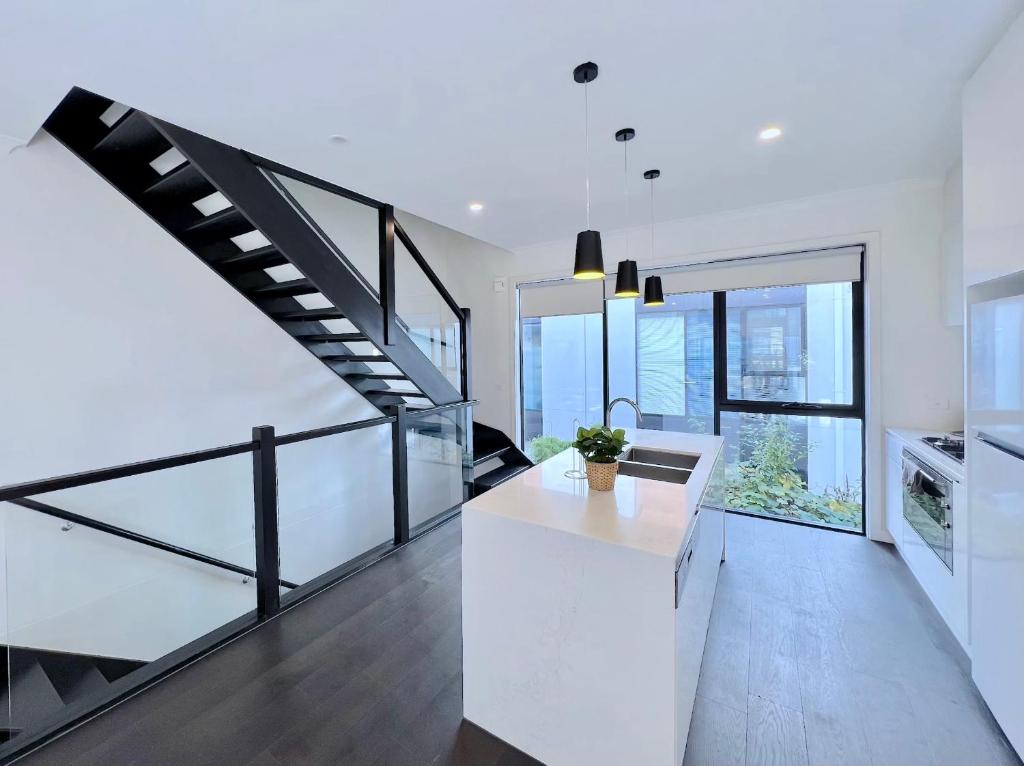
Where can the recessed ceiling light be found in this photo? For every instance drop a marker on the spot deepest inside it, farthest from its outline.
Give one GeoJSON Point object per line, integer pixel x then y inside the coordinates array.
{"type": "Point", "coordinates": [337, 139]}
{"type": "Point", "coordinates": [476, 207]}
{"type": "Point", "coordinates": [770, 133]}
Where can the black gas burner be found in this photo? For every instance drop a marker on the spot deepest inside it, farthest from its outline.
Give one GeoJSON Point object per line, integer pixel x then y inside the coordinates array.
{"type": "Point", "coordinates": [950, 444]}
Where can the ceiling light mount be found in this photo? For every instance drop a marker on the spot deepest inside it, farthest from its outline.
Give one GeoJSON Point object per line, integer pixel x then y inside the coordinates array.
{"type": "Point", "coordinates": [650, 175]}
{"type": "Point", "coordinates": [625, 134]}
{"type": "Point", "coordinates": [584, 73]}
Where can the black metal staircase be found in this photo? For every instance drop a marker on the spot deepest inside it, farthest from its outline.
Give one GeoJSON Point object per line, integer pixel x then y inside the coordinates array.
{"type": "Point", "coordinates": [43, 683]}
{"type": "Point", "coordinates": [257, 225]}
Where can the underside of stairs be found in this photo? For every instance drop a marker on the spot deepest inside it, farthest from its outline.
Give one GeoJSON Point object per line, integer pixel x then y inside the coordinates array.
{"type": "Point", "coordinates": [43, 683]}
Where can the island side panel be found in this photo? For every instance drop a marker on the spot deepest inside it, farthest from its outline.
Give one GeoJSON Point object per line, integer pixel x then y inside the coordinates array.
{"type": "Point", "coordinates": [568, 644]}
{"type": "Point", "coordinates": [694, 616]}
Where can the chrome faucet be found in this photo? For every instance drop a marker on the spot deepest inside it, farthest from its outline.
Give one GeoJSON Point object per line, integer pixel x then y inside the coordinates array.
{"type": "Point", "coordinates": [631, 403]}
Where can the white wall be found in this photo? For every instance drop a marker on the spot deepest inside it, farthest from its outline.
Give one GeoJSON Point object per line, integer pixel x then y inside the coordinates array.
{"type": "Point", "coordinates": [467, 267]}
{"type": "Point", "coordinates": [953, 245]}
{"type": "Point", "coordinates": [119, 345]}
{"type": "Point", "coordinates": [993, 162]}
{"type": "Point", "coordinates": [915, 362]}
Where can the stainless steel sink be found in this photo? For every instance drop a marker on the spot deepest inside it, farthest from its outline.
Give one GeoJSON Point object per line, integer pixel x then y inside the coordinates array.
{"type": "Point", "coordinates": [656, 472]}
{"type": "Point", "coordinates": [661, 457]}
{"type": "Point", "coordinates": [646, 463]}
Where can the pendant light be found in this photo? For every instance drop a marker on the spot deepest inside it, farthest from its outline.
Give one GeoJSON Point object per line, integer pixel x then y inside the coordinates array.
{"type": "Point", "coordinates": [627, 281]}
{"type": "Point", "coordinates": [653, 294]}
{"type": "Point", "coordinates": [589, 259]}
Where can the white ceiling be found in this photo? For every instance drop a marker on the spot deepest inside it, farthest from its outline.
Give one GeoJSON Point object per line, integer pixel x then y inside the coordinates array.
{"type": "Point", "coordinates": [447, 102]}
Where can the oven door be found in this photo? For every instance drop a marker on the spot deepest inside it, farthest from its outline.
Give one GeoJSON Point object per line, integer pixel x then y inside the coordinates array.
{"type": "Point", "coordinates": [926, 506]}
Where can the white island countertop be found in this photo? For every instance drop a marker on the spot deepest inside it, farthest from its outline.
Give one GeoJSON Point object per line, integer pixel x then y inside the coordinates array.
{"type": "Point", "coordinates": [646, 514]}
{"type": "Point", "coordinates": [584, 613]}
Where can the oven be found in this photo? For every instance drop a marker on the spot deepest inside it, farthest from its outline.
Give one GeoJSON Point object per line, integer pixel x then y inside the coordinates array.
{"type": "Point", "coordinates": [928, 506]}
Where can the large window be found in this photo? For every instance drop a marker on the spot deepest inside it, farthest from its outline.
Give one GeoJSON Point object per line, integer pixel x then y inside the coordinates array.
{"type": "Point", "coordinates": [776, 370]}
{"type": "Point", "coordinates": [563, 379]}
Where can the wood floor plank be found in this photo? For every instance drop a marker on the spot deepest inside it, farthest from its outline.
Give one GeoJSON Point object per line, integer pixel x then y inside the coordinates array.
{"type": "Point", "coordinates": [369, 672]}
{"type": "Point", "coordinates": [775, 734]}
{"type": "Point", "coordinates": [718, 735]}
{"type": "Point", "coordinates": [773, 653]}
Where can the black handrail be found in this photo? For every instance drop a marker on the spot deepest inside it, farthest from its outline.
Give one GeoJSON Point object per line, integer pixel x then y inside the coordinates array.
{"type": "Point", "coordinates": [110, 529]}
{"type": "Point", "coordinates": [418, 413]}
{"type": "Point", "coordinates": [68, 481]}
{"type": "Point", "coordinates": [427, 271]}
{"type": "Point", "coordinates": [317, 433]}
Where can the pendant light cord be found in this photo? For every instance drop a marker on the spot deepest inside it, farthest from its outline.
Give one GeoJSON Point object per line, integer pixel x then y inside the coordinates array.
{"type": "Point", "coordinates": [586, 119]}
{"type": "Point", "coordinates": [625, 188]}
{"type": "Point", "coordinates": [652, 220]}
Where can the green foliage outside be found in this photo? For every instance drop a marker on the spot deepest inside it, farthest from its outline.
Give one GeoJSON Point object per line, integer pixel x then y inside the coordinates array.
{"type": "Point", "coordinates": [543, 447]}
{"type": "Point", "coordinates": [769, 482]}
{"type": "Point", "coordinates": [600, 444]}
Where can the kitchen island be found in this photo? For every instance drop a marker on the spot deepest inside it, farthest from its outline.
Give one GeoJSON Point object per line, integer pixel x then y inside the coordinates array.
{"type": "Point", "coordinates": [585, 613]}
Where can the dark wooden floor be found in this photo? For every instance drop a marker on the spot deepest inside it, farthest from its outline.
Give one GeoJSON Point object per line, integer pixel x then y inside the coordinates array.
{"type": "Point", "coordinates": [822, 650]}
{"type": "Point", "coordinates": [368, 672]}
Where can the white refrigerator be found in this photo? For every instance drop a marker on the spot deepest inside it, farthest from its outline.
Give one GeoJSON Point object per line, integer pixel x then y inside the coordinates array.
{"type": "Point", "coordinates": [995, 482]}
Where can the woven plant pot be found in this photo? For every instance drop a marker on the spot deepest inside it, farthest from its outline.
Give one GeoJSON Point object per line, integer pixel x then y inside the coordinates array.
{"type": "Point", "coordinates": [601, 476]}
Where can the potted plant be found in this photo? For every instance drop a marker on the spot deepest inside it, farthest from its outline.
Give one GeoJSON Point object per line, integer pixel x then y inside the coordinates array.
{"type": "Point", "coordinates": [601, 447]}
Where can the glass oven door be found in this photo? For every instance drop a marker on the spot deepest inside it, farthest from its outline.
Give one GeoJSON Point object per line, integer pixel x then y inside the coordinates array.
{"type": "Point", "coordinates": [926, 506]}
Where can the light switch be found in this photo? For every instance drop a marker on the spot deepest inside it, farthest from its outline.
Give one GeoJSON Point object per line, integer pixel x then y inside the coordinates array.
{"type": "Point", "coordinates": [499, 285]}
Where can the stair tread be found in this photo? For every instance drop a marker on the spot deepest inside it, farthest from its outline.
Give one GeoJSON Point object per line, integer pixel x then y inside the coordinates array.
{"type": "Point", "coordinates": [377, 376]}
{"type": "Point", "coordinates": [489, 454]}
{"type": "Point", "coordinates": [393, 392]}
{"type": "Point", "coordinates": [353, 358]}
{"type": "Point", "coordinates": [260, 258]}
{"type": "Point", "coordinates": [492, 479]}
{"type": "Point", "coordinates": [221, 218]}
{"type": "Point", "coordinates": [284, 289]}
{"type": "Point", "coordinates": [309, 315]}
{"type": "Point", "coordinates": [334, 337]}
{"type": "Point", "coordinates": [133, 132]}
{"type": "Point", "coordinates": [184, 179]}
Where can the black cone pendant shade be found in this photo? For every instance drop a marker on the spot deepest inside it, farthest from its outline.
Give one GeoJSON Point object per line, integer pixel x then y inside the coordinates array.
{"type": "Point", "coordinates": [627, 281]}
{"type": "Point", "coordinates": [589, 259]}
{"type": "Point", "coordinates": [653, 296]}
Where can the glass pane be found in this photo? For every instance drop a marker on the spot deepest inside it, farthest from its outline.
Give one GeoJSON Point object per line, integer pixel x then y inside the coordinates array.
{"type": "Point", "coordinates": [794, 467]}
{"type": "Point", "coordinates": [791, 344]}
{"type": "Point", "coordinates": [563, 381]}
{"type": "Point", "coordinates": [662, 357]}
{"type": "Point", "coordinates": [334, 500]}
{"type": "Point", "coordinates": [204, 507]}
{"type": "Point", "coordinates": [425, 315]}
{"type": "Point", "coordinates": [85, 607]}
{"type": "Point", "coordinates": [351, 228]}
{"type": "Point", "coordinates": [438, 461]}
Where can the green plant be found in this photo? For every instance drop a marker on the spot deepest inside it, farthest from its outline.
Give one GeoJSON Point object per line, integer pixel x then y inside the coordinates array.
{"type": "Point", "coordinates": [543, 447]}
{"type": "Point", "coordinates": [600, 444]}
{"type": "Point", "coordinates": [769, 481]}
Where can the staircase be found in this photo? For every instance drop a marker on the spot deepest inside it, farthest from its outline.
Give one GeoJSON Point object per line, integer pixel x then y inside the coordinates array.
{"type": "Point", "coordinates": [496, 458]}
{"type": "Point", "coordinates": [231, 210]}
{"type": "Point", "coordinates": [43, 683]}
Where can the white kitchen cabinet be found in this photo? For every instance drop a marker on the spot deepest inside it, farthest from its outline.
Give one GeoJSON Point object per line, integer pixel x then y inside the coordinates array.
{"type": "Point", "coordinates": [894, 486]}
